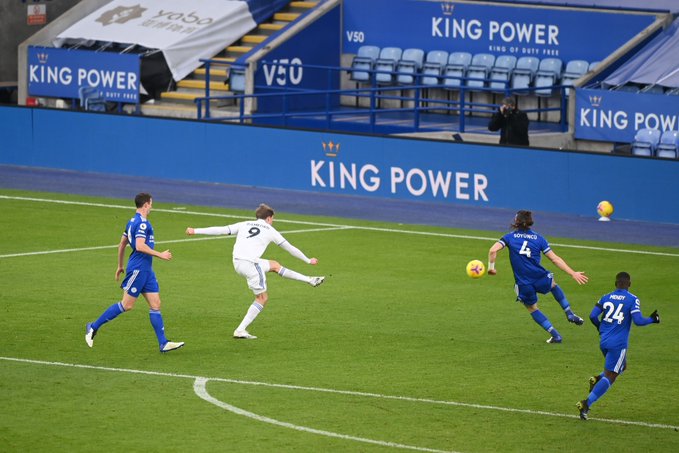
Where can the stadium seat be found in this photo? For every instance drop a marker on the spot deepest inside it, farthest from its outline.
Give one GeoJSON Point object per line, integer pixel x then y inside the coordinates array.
{"type": "Point", "coordinates": [652, 89]}
{"type": "Point", "coordinates": [645, 142]}
{"type": "Point", "coordinates": [479, 69]}
{"type": "Point", "coordinates": [523, 74]}
{"type": "Point", "coordinates": [574, 70]}
{"type": "Point", "coordinates": [363, 63]}
{"type": "Point", "coordinates": [237, 80]}
{"type": "Point", "coordinates": [629, 88]}
{"type": "Point", "coordinates": [91, 99]}
{"type": "Point", "coordinates": [501, 73]}
{"type": "Point", "coordinates": [386, 63]}
{"type": "Point", "coordinates": [409, 65]}
{"type": "Point", "coordinates": [458, 62]}
{"type": "Point", "coordinates": [433, 67]}
{"type": "Point", "coordinates": [593, 65]}
{"type": "Point", "coordinates": [668, 148]}
{"type": "Point", "coordinates": [548, 75]}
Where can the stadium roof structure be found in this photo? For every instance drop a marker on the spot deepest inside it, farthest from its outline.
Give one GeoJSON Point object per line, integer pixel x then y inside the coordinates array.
{"type": "Point", "coordinates": [671, 6]}
{"type": "Point", "coordinates": [654, 64]}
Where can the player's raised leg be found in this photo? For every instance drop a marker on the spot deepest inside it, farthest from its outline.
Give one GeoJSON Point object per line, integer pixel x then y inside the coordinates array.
{"type": "Point", "coordinates": [560, 297]}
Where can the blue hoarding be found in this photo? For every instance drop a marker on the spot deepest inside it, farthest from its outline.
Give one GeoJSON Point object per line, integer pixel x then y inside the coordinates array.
{"type": "Point", "coordinates": [400, 168]}
{"type": "Point", "coordinates": [59, 73]}
{"type": "Point", "coordinates": [614, 116]}
{"type": "Point", "coordinates": [478, 28]}
{"type": "Point", "coordinates": [291, 67]}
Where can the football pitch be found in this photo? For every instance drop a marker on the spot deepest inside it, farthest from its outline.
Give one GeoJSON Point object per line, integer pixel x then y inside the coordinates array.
{"type": "Point", "coordinates": [397, 351]}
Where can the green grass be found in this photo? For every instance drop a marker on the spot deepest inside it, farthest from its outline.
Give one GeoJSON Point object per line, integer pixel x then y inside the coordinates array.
{"type": "Point", "coordinates": [397, 317]}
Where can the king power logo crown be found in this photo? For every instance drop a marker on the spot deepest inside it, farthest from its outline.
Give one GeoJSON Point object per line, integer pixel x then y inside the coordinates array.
{"type": "Point", "coordinates": [595, 100]}
{"type": "Point", "coordinates": [42, 57]}
{"type": "Point", "coordinates": [331, 149]}
{"type": "Point", "coordinates": [447, 8]}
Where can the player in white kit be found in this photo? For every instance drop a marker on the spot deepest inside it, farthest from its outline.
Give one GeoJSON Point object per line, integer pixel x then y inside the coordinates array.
{"type": "Point", "coordinates": [252, 239]}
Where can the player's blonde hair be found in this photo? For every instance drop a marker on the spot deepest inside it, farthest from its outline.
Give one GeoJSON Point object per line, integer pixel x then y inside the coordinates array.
{"type": "Point", "coordinates": [263, 211]}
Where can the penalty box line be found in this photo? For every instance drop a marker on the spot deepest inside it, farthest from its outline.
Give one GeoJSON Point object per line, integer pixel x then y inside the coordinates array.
{"type": "Point", "coordinates": [336, 226]}
{"type": "Point", "coordinates": [342, 392]}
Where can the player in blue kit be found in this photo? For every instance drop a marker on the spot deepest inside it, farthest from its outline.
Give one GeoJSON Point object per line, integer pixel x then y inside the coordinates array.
{"type": "Point", "coordinates": [619, 309]}
{"type": "Point", "coordinates": [525, 247]}
{"type": "Point", "coordinates": [139, 276]}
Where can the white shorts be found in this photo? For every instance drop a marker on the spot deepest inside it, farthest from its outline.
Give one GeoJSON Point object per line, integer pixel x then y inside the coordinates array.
{"type": "Point", "coordinates": [254, 273]}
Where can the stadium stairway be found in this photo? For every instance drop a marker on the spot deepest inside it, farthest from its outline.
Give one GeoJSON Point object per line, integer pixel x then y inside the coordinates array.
{"type": "Point", "coordinates": [180, 102]}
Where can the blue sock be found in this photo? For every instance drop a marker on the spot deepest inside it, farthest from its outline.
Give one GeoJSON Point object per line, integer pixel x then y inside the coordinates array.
{"type": "Point", "coordinates": [542, 320]}
{"type": "Point", "coordinates": [560, 297]}
{"type": "Point", "coordinates": [109, 315]}
{"type": "Point", "coordinates": [599, 390]}
{"type": "Point", "coordinates": [158, 326]}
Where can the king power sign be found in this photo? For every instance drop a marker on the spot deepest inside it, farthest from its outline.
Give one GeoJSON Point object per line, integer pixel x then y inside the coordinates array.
{"type": "Point", "coordinates": [612, 116]}
{"type": "Point", "coordinates": [60, 73]}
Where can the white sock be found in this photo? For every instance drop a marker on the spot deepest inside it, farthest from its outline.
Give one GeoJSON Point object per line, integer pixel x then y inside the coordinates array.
{"type": "Point", "coordinates": [292, 275]}
{"type": "Point", "coordinates": [255, 309]}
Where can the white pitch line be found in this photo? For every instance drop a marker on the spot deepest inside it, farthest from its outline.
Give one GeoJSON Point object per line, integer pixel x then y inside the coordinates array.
{"type": "Point", "coordinates": [200, 390]}
{"type": "Point", "coordinates": [344, 392]}
{"type": "Point", "coordinates": [332, 225]}
{"type": "Point", "coordinates": [175, 241]}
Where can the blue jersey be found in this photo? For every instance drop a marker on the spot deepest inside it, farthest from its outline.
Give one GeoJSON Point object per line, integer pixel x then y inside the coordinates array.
{"type": "Point", "coordinates": [618, 308]}
{"type": "Point", "coordinates": [139, 227]}
{"type": "Point", "coordinates": [525, 247]}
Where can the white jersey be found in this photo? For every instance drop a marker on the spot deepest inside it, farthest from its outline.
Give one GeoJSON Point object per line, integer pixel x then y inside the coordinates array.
{"type": "Point", "coordinates": [252, 239]}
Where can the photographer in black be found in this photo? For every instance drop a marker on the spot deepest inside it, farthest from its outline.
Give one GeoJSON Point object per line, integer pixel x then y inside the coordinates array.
{"type": "Point", "coordinates": [511, 122]}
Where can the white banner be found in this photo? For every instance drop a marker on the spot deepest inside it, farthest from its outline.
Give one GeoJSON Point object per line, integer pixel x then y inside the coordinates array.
{"type": "Point", "coordinates": [185, 31]}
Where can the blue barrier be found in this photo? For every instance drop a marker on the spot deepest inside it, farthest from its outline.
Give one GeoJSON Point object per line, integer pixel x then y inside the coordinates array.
{"type": "Point", "coordinates": [383, 167]}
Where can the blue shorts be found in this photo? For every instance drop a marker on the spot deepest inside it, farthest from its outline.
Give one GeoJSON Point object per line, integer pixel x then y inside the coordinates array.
{"type": "Point", "coordinates": [140, 282]}
{"type": "Point", "coordinates": [616, 359]}
{"type": "Point", "coordinates": [527, 294]}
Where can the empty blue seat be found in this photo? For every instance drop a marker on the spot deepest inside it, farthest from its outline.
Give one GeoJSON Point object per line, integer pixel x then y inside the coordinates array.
{"type": "Point", "coordinates": [479, 69]}
{"type": "Point", "coordinates": [501, 73]}
{"type": "Point", "coordinates": [456, 69]}
{"type": "Point", "coordinates": [433, 67]}
{"type": "Point", "coordinates": [389, 57]}
{"type": "Point", "coordinates": [628, 88]}
{"type": "Point", "coordinates": [668, 148]}
{"type": "Point", "coordinates": [645, 142]}
{"type": "Point", "coordinates": [548, 75]}
{"type": "Point", "coordinates": [593, 65]}
{"type": "Point", "coordinates": [91, 99]}
{"type": "Point", "coordinates": [652, 89]}
{"type": "Point", "coordinates": [409, 65]}
{"type": "Point", "coordinates": [237, 79]}
{"type": "Point", "coordinates": [363, 63]}
{"type": "Point", "coordinates": [523, 74]}
{"type": "Point", "coordinates": [574, 70]}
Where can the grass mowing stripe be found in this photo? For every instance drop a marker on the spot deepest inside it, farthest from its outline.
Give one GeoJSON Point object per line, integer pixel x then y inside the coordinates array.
{"type": "Point", "coordinates": [319, 224]}
{"type": "Point", "coordinates": [341, 392]}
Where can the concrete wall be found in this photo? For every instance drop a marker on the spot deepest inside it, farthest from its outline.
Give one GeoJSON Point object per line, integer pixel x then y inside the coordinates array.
{"type": "Point", "coordinates": [14, 29]}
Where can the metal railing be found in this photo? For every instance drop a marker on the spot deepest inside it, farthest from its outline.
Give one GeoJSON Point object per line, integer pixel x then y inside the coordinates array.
{"type": "Point", "coordinates": [420, 102]}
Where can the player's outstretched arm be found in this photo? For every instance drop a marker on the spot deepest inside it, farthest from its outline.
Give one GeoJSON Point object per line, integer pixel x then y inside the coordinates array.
{"type": "Point", "coordinates": [212, 231]}
{"type": "Point", "coordinates": [143, 248]}
{"type": "Point", "coordinates": [578, 276]}
{"type": "Point", "coordinates": [492, 256]}
{"type": "Point", "coordinates": [297, 253]}
{"type": "Point", "coordinates": [640, 320]}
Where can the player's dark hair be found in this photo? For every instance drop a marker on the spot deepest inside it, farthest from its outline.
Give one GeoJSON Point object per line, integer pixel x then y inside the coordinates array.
{"type": "Point", "coordinates": [523, 220]}
{"type": "Point", "coordinates": [263, 211]}
{"type": "Point", "coordinates": [623, 280]}
{"type": "Point", "coordinates": [141, 199]}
